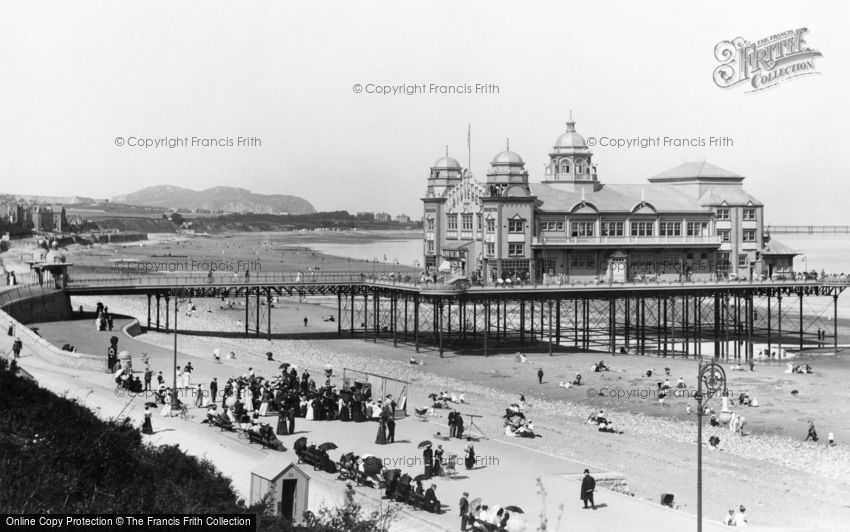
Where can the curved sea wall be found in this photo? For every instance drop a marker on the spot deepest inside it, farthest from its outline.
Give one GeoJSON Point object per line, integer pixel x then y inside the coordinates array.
{"type": "Point", "coordinates": [27, 304]}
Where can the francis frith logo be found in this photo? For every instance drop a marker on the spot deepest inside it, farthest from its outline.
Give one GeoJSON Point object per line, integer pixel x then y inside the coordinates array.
{"type": "Point", "coordinates": [764, 63]}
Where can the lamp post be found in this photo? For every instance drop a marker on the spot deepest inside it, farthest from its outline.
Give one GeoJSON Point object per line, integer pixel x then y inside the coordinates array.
{"type": "Point", "coordinates": [714, 378]}
{"type": "Point", "coordinates": [550, 328]}
{"type": "Point", "coordinates": [174, 400]}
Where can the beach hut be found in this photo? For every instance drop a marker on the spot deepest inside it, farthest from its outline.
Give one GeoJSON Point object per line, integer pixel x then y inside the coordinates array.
{"type": "Point", "coordinates": [287, 483]}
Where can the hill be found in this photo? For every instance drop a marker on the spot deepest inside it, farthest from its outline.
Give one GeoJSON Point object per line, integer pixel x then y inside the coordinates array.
{"type": "Point", "coordinates": [228, 199]}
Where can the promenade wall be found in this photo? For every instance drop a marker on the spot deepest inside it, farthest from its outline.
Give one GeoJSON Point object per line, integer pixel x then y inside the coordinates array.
{"type": "Point", "coordinates": [28, 304]}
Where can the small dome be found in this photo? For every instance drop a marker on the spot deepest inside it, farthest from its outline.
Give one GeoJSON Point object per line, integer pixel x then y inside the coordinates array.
{"type": "Point", "coordinates": [447, 162]}
{"type": "Point", "coordinates": [507, 157]}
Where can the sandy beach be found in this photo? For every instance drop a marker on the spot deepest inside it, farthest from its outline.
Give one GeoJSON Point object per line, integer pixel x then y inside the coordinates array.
{"type": "Point", "coordinates": [754, 470]}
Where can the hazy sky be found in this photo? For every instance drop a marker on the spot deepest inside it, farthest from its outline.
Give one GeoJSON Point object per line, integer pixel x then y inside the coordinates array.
{"type": "Point", "coordinates": [76, 75]}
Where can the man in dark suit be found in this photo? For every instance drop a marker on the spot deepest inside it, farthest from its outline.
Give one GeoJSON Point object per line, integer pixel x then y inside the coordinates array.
{"type": "Point", "coordinates": [431, 502]}
{"type": "Point", "coordinates": [464, 510]}
{"type": "Point", "coordinates": [428, 459]}
{"type": "Point", "coordinates": [588, 485]}
{"type": "Point", "coordinates": [290, 417]}
{"type": "Point", "coordinates": [540, 375]}
{"type": "Point", "coordinates": [390, 428]}
{"type": "Point", "coordinates": [213, 389]}
{"type": "Point", "coordinates": [452, 424]}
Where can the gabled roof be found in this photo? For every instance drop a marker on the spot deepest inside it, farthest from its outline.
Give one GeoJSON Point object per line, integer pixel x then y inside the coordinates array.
{"type": "Point", "coordinates": [273, 466]}
{"type": "Point", "coordinates": [696, 171]}
{"type": "Point", "coordinates": [730, 195]}
{"type": "Point", "coordinates": [616, 198]}
{"type": "Point", "coordinates": [775, 247]}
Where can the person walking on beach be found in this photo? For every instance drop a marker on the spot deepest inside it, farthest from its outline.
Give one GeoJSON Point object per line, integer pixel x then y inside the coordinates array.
{"type": "Point", "coordinates": [588, 486]}
{"type": "Point", "coordinates": [540, 375]}
{"type": "Point", "coordinates": [428, 460]}
{"type": "Point", "coordinates": [147, 427]}
{"type": "Point", "coordinates": [148, 377]}
{"type": "Point", "coordinates": [464, 510]}
{"type": "Point", "coordinates": [213, 389]}
{"type": "Point", "coordinates": [305, 321]}
{"type": "Point", "coordinates": [812, 434]}
{"type": "Point", "coordinates": [17, 345]}
{"type": "Point", "coordinates": [199, 396]}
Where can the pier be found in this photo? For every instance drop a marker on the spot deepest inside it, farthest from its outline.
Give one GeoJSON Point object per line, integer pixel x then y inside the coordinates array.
{"type": "Point", "coordinates": [723, 319]}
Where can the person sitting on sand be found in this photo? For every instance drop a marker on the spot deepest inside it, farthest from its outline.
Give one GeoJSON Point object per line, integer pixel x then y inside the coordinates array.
{"type": "Point", "coordinates": [740, 517]}
{"type": "Point", "coordinates": [714, 442]}
{"type": "Point", "coordinates": [648, 373]}
{"type": "Point", "coordinates": [601, 366]}
{"type": "Point", "coordinates": [577, 380]}
{"type": "Point", "coordinates": [812, 433]}
{"type": "Point", "coordinates": [681, 383]}
{"type": "Point", "coordinates": [729, 520]}
{"type": "Point", "coordinates": [713, 421]}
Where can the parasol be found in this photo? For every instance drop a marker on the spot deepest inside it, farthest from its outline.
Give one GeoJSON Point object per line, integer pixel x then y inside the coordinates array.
{"type": "Point", "coordinates": [151, 404]}
{"type": "Point", "coordinates": [515, 509]}
{"type": "Point", "coordinates": [432, 396]}
{"type": "Point", "coordinates": [372, 465]}
{"type": "Point", "coordinates": [300, 443]}
{"type": "Point", "coordinates": [328, 446]}
{"type": "Point", "coordinates": [420, 477]}
{"type": "Point", "coordinates": [425, 443]}
{"type": "Point", "coordinates": [475, 503]}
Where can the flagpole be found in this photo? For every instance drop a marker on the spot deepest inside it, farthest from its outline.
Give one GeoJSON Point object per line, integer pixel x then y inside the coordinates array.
{"type": "Point", "coordinates": [469, 146]}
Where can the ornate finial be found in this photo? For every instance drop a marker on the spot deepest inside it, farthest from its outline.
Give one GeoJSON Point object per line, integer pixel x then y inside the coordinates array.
{"type": "Point", "coordinates": [447, 151]}
{"type": "Point", "coordinates": [508, 144]}
{"type": "Point", "coordinates": [571, 115]}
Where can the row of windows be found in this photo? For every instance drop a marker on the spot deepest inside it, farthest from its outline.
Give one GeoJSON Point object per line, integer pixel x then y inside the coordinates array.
{"type": "Point", "coordinates": [747, 214]}
{"type": "Point", "coordinates": [748, 235]}
{"type": "Point", "coordinates": [514, 250]}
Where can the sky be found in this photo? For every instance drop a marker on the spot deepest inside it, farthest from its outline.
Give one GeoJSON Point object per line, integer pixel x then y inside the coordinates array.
{"type": "Point", "coordinates": [82, 81]}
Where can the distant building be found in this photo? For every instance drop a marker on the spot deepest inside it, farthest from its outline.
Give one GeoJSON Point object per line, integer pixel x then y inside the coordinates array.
{"type": "Point", "coordinates": [383, 217]}
{"type": "Point", "coordinates": [60, 219]}
{"type": "Point", "coordinates": [42, 219]}
{"type": "Point", "coordinates": [365, 215]}
{"type": "Point", "coordinates": [694, 221]}
{"type": "Point", "coordinates": [402, 219]}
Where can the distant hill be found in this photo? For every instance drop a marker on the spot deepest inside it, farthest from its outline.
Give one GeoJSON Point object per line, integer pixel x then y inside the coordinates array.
{"type": "Point", "coordinates": [228, 199]}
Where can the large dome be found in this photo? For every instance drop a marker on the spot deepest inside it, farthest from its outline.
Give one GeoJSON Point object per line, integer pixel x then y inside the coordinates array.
{"type": "Point", "coordinates": [507, 157]}
{"type": "Point", "coordinates": [571, 139]}
{"type": "Point", "coordinates": [447, 162]}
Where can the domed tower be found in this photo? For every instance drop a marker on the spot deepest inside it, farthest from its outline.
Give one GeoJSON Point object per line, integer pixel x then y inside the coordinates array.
{"type": "Point", "coordinates": [507, 175]}
{"type": "Point", "coordinates": [570, 162]}
{"type": "Point", "coordinates": [446, 172]}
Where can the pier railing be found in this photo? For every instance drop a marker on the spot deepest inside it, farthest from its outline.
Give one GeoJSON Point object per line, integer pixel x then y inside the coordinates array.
{"type": "Point", "coordinates": [405, 281]}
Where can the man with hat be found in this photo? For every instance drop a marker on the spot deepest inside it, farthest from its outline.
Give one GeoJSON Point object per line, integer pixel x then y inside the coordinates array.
{"type": "Point", "coordinates": [588, 485]}
{"type": "Point", "coordinates": [464, 510]}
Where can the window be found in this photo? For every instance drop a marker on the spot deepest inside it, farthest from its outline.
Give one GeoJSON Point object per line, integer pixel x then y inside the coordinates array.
{"type": "Point", "coordinates": [516, 250]}
{"type": "Point", "coordinates": [612, 229]}
{"type": "Point", "coordinates": [724, 260]}
{"type": "Point", "coordinates": [551, 226]}
{"type": "Point", "coordinates": [491, 249]}
{"type": "Point", "coordinates": [722, 214]}
{"type": "Point", "coordinates": [641, 228]}
{"type": "Point", "coordinates": [478, 219]}
{"type": "Point", "coordinates": [697, 228]}
{"type": "Point", "coordinates": [466, 222]}
{"type": "Point", "coordinates": [565, 168]}
{"type": "Point", "coordinates": [582, 262]}
{"type": "Point", "coordinates": [491, 225]}
{"type": "Point", "coordinates": [429, 224]}
{"type": "Point", "coordinates": [452, 223]}
{"type": "Point", "coordinates": [749, 235]}
{"type": "Point", "coordinates": [516, 226]}
{"type": "Point", "coordinates": [725, 235]}
{"type": "Point", "coordinates": [749, 214]}
{"type": "Point", "coordinates": [579, 169]}
{"type": "Point", "coordinates": [582, 228]}
{"type": "Point", "coordinates": [742, 261]}
{"type": "Point", "coordinates": [670, 229]}
{"type": "Point", "coordinates": [429, 246]}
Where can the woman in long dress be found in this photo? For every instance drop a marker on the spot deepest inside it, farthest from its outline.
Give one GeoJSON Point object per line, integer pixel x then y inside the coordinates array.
{"type": "Point", "coordinates": [469, 460]}
{"type": "Point", "coordinates": [248, 399]}
{"type": "Point", "coordinates": [147, 427]}
{"type": "Point", "coordinates": [264, 406]}
{"type": "Point", "coordinates": [382, 433]}
{"type": "Point", "coordinates": [310, 413]}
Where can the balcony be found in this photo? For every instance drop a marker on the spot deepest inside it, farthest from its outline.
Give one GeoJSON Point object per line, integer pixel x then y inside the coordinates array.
{"type": "Point", "coordinates": [625, 241]}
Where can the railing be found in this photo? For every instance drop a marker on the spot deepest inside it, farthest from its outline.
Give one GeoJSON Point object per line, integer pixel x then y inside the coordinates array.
{"type": "Point", "coordinates": [625, 240]}
{"type": "Point", "coordinates": [167, 281]}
